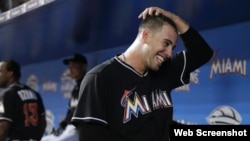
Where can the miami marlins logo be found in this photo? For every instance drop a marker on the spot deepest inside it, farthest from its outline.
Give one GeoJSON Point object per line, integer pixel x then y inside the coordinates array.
{"type": "Point", "coordinates": [140, 104]}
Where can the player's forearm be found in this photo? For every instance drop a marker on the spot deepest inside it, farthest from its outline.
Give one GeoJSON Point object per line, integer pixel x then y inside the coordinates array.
{"type": "Point", "coordinates": [196, 44]}
{"type": "Point", "coordinates": [4, 129]}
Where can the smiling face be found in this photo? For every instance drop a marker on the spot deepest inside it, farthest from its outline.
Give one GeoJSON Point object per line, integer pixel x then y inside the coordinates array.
{"type": "Point", "coordinates": [158, 46]}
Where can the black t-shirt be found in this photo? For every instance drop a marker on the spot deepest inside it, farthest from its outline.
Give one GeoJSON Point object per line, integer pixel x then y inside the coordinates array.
{"type": "Point", "coordinates": [23, 107]}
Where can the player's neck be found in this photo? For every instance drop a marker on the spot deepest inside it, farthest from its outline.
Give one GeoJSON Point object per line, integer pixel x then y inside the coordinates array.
{"type": "Point", "coordinates": [134, 61]}
{"type": "Point", "coordinates": [11, 83]}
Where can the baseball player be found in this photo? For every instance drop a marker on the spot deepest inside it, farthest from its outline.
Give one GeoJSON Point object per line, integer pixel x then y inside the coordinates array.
{"type": "Point", "coordinates": [22, 114]}
{"type": "Point", "coordinates": [77, 65]}
{"type": "Point", "coordinates": [127, 98]}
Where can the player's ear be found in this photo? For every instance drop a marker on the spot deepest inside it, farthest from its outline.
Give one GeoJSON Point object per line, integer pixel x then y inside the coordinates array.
{"type": "Point", "coordinates": [145, 35]}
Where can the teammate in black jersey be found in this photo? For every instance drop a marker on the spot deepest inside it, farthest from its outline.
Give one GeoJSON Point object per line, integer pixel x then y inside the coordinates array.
{"type": "Point", "coordinates": [22, 113]}
{"type": "Point", "coordinates": [77, 65]}
{"type": "Point", "coordinates": [127, 98]}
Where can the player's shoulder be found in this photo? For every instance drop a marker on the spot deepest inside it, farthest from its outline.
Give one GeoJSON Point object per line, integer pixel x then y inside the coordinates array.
{"type": "Point", "coordinates": [106, 66]}
{"type": "Point", "coordinates": [17, 87]}
{"type": "Point", "coordinates": [10, 92]}
{"type": "Point", "coordinates": [12, 88]}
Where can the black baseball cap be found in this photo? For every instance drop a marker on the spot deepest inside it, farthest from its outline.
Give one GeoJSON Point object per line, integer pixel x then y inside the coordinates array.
{"type": "Point", "coordinates": [76, 58]}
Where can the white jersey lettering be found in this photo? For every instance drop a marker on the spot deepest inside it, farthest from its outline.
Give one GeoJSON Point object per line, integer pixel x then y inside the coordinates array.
{"type": "Point", "coordinates": [26, 95]}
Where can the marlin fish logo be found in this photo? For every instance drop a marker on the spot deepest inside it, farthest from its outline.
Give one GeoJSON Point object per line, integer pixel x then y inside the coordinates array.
{"type": "Point", "coordinates": [133, 106]}
{"type": "Point", "coordinates": [125, 96]}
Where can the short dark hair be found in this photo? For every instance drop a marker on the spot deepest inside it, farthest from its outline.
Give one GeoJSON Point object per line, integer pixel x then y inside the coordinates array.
{"type": "Point", "coordinates": [12, 65]}
{"type": "Point", "coordinates": [154, 22]}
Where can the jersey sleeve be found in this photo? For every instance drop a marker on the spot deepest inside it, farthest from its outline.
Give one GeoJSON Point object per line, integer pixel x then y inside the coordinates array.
{"type": "Point", "coordinates": [91, 103]}
{"type": "Point", "coordinates": [7, 106]}
{"type": "Point", "coordinates": [197, 53]}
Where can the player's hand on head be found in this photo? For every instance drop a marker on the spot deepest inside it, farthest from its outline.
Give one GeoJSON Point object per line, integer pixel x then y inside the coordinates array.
{"type": "Point", "coordinates": [153, 11]}
{"type": "Point", "coordinates": [182, 25]}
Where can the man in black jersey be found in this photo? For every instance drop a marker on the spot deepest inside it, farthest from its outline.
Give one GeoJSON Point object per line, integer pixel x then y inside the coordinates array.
{"type": "Point", "coordinates": [22, 113]}
{"type": "Point", "coordinates": [77, 65]}
{"type": "Point", "coordinates": [127, 98]}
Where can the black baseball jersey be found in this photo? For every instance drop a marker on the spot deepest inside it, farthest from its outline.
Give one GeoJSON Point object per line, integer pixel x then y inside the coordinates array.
{"type": "Point", "coordinates": [23, 107]}
{"type": "Point", "coordinates": [135, 106]}
{"type": "Point", "coordinates": [72, 103]}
